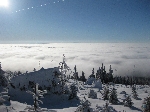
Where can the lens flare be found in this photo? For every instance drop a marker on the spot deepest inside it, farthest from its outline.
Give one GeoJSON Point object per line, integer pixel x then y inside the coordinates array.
{"type": "Point", "coordinates": [4, 3]}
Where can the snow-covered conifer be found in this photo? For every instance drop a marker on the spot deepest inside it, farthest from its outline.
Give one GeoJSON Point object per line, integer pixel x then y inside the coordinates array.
{"type": "Point", "coordinates": [66, 89]}
{"type": "Point", "coordinates": [84, 107]}
{"type": "Point", "coordinates": [128, 102]}
{"type": "Point", "coordinates": [83, 77]}
{"type": "Point", "coordinates": [75, 75]}
{"type": "Point", "coordinates": [92, 75]}
{"type": "Point", "coordinates": [4, 97]}
{"type": "Point", "coordinates": [73, 91]}
{"type": "Point", "coordinates": [113, 96]}
{"type": "Point", "coordinates": [106, 108]}
{"type": "Point", "coordinates": [146, 105]}
{"type": "Point", "coordinates": [75, 69]}
{"type": "Point", "coordinates": [2, 100]}
{"type": "Point", "coordinates": [93, 71]}
{"type": "Point", "coordinates": [36, 95]}
{"type": "Point", "coordinates": [134, 93]}
{"type": "Point", "coordinates": [92, 94]}
{"type": "Point", "coordinates": [64, 68]}
{"type": "Point", "coordinates": [34, 69]}
{"type": "Point", "coordinates": [105, 92]}
{"type": "Point", "coordinates": [3, 78]}
{"type": "Point", "coordinates": [146, 91]}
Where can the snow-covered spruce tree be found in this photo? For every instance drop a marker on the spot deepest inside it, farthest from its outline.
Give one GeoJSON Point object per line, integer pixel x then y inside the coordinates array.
{"type": "Point", "coordinates": [83, 77]}
{"type": "Point", "coordinates": [73, 91]}
{"type": "Point", "coordinates": [4, 97]}
{"type": "Point", "coordinates": [2, 100]}
{"type": "Point", "coordinates": [134, 93]}
{"type": "Point", "coordinates": [36, 95]}
{"type": "Point", "coordinates": [113, 96]}
{"type": "Point", "coordinates": [92, 94]}
{"type": "Point", "coordinates": [92, 75]}
{"type": "Point", "coordinates": [54, 84]}
{"type": "Point", "coordinates": [105, 92]}
{"type": "Point", "coordinates": [128, 102]}
{"type": "Point", "coordinates": [146, 91]}
{"type": "Point", "coordinates": [106, 108]}
{"type": "Point", "coordinates": [3, 78]}
{"type": "Point", "coordinates": [84, 107]}
{"type": "Point", "coordinates": [66, 89]}
{"type": "Point", "coordinates": [64, 68]}
{"type": "Point", "coordinates": [146, 105]}
{"type": "Point", "coordinates": [75, 75]}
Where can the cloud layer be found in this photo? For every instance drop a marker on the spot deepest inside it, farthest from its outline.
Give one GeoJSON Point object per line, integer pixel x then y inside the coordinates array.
{"type": "Point", "coordinates": [125, 58]}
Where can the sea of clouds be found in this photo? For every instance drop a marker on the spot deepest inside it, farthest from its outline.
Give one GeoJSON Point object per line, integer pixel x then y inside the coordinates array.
{"type": "Point", "coordinates": [125, 58]}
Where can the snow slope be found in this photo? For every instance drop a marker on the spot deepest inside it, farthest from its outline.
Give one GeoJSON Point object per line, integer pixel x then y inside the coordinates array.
{"type": "Point", "coordinates": [62, 104]}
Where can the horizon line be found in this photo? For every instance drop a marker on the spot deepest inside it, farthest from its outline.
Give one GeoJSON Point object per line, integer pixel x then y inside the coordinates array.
{"type": "Point", "coordinates": [46, 42]}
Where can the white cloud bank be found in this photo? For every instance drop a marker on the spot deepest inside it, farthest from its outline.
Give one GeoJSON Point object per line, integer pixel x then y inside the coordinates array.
{"type": "Point", "coordinates": [125, 58]}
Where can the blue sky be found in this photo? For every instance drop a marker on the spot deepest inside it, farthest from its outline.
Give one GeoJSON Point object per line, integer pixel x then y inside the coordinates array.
{"type": "Point", "coordinates": [75, 21]}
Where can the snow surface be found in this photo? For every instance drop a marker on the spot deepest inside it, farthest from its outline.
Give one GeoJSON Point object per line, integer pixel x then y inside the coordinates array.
{"type": "Point", "coordinates": [54, 102]}
{"type": "Point", "coordinates": [62, 104]}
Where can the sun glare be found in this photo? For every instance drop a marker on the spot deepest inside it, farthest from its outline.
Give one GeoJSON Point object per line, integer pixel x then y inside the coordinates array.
{"type": "Point", "coordinates": [4, 3]}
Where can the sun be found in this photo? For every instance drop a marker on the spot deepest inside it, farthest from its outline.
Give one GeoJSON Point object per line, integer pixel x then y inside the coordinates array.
{"type": "Point", "coordinates": [4, 3]}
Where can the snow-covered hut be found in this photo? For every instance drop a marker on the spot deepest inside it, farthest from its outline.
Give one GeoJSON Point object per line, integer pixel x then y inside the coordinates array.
{"type": "Point", "coordinates": [97, 84]}
{"type": "Point", "coordinates": [90, 80]}
{"type": "Point", "coordinates": [43, 77]}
